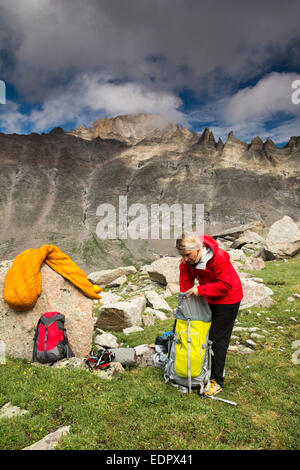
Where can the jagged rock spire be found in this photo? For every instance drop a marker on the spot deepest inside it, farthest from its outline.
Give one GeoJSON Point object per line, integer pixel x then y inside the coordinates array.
{"type": "Point", "coordinates": [293, 142]}
{"type": "Point", "coordinates": [269, 145]}
{"type": "Point", "coordinates": [207, 138]}
{"type": "Point", "coordinates": [220, 144]}
{"type": "Point", "coordinates": [256, 144]}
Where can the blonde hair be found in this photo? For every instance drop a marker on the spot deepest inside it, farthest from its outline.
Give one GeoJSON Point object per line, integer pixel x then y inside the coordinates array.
{"type": "Point", "coordinates": [189, 241]}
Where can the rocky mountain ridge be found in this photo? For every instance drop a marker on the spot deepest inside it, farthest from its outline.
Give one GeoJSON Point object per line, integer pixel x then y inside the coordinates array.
{"type": "Point", "coordinates": [52, 184]}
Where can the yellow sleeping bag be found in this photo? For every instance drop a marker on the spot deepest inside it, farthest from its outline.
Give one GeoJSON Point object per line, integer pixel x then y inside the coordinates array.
{"type": "Point", "coordinates": [23, 281]}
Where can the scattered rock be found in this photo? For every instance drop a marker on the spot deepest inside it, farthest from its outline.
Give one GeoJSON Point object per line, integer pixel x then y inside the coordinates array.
{"type": "Point", "coordinates": [106, 340]}
{"type": "Point", "coordinates": [283, 239]}
{"type": "Point", "coordinates": [131, 288]}
{"type": "Point", "coordinates": [255, 294]}
{"type": "Point", "coordinates": [50, 441]}
{"type": "Point", "coordinates": [239, 328]}
{"type": "Point", "coordinates": [224, 244]}
{"type": "Point", "coordinates": [256, 336]}
{"type": "Point", "coordinates": [115, 369]}
{"type": "Point", "coordinates": [144, 270]}
{"type": "Point", "coordinates": [117, 282]}
{"type": "Point", "coordinates": [165, 270]}
{"type": "Point", "coordinates": [10, 411]}
{"type": "Point", "coordinates": [245, 275]}
{"type": "Point", "coordinates": [258, 279]}
{"type": "Point", "coordinates": [120, 315]}
{"type": "Point", "coordinates": [155, 301]}
{"type": "Point", "coordinates": [158, 314]}
{"type": "Point", "coordinates": [132, 329]}
{"type": "Point", "coordinates": [251, 343]}
{"type": "Point", "coordinates": [257, 226]}
{"type": "Point", "coordinates": [294, 297]}
{"type": "Point", "coordinates": [106, 277]}
{"type": "Point", "coordinates": [239, 348]}
{"type": "Point", "coordinates": [148, 318]}
{"type": "Point", "coordinates": [296, 354]}
{"type": "Point", "coordinates": [248, 237]}
{"type": "Point", "coordinates": [72, 363]}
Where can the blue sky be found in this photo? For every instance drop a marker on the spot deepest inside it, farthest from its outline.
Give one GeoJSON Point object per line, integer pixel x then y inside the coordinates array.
{"type": "Point", "coordinates": [227, 65]}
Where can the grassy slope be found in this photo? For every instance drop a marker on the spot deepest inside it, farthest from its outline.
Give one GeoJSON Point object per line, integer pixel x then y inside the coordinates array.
{"type": "Point", "coordinates": [138, 411]}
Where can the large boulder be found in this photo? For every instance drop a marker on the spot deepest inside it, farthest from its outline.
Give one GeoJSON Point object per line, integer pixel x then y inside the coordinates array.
{"type": "Point", "coordinates": [233, 233]}
{"type": "Point", "coordinates": [17, 328]}
{"type": "Point", "coordinates": [256, 294]}
{"type": "Point", "coordinates": [247, 238]}
{"type": "Point", "coordinates": [283, 239]}
{"type": "Point", "coordinates": [156, 302]}
{"type": "Point", "coordinates": [106, 340]}
{"type": "Point", "coordinates": [164, 270]}
{"type": "Point", "coordinates": [120, 315]}
{"type": "Point", "coordinates": [107, 277]}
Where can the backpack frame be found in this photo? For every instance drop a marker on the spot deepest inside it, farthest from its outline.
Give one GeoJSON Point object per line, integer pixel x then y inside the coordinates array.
{"type": "Point", "coordinates": [188, 361]}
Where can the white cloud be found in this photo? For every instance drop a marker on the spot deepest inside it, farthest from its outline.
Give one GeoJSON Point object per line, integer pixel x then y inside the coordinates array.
{"type": "Point", "coordinates": [249, 110]}
{"type": "Point", "coordinates": [89, 95]}
{"type": "Point", "coordinates": [271, 95]}
{"type": "Point", "coordinates": [197, 43]}
{"type": "Point", "coordinates": [11, 119]}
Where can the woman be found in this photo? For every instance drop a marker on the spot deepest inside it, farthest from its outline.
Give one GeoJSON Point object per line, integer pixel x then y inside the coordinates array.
{"type": "Point", "coordinates": [220, 286]}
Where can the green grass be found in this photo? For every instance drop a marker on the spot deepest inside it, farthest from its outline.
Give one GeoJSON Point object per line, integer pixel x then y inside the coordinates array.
{"type": "Point", "coordinates": [138, 411]}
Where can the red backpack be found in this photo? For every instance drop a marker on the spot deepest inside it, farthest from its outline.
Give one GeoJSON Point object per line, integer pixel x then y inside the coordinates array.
{"type": "Point", "coordinates": [50, 343]}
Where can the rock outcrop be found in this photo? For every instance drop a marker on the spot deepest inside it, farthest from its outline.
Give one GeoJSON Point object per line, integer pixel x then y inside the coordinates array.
{"type": "Point", "coordinates": [121, 315]}
{"type": "Point", "coordinates": [164, 270]}
{"type": "Point", "coordinates": [110, 277]}
{"type": "Point", "coordinates": [283, 239]}
{"type": "Point", "coordinates": [132, 128]}
{"type": "Point", "coordinates": [58, 295]}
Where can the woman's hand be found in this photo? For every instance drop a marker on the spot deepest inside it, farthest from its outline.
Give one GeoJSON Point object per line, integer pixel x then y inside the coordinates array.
{"type": "Point", "coordinates": [193, 290]}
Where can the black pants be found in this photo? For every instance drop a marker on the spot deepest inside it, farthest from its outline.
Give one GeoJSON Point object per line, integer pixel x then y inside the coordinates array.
{"type": "Point", "coordinates": [223, 318]}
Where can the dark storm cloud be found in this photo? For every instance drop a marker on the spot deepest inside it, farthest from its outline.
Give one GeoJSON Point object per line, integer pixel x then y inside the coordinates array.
{"type": "Point", "coordinates": [198, 42]}
{"type": "Point", "coordinates": [118, 56]}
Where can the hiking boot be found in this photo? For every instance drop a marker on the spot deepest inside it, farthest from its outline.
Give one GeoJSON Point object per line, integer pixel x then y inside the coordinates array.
{"type": "Point", "coordinates": [212, 388]}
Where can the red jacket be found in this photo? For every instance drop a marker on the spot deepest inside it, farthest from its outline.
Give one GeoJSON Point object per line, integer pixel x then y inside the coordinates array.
{"type": "Point", "coordinates": [219, 282]}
